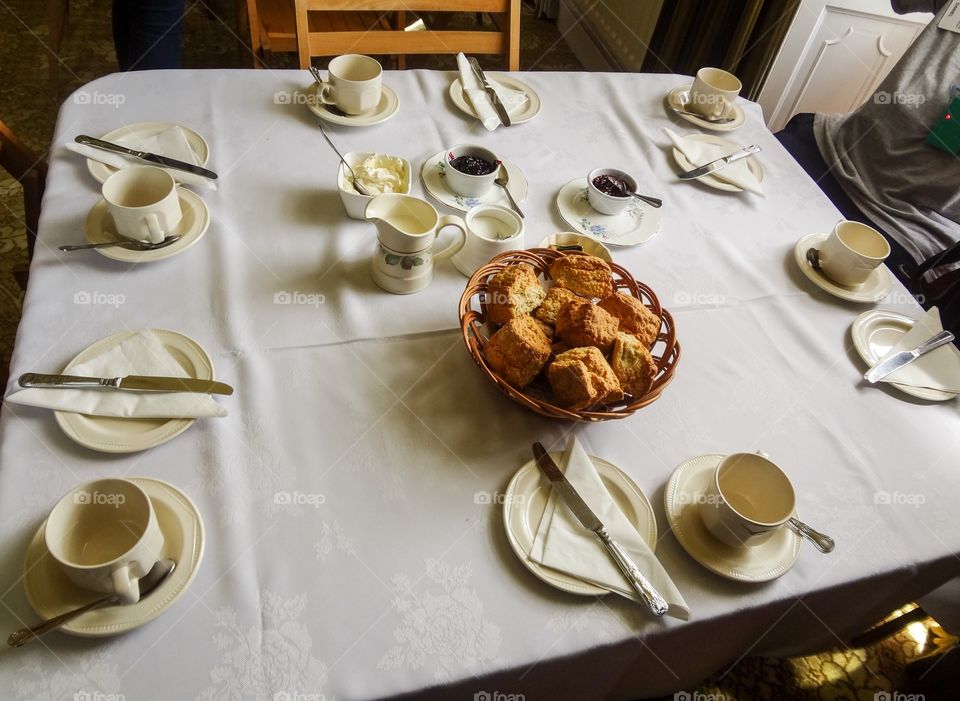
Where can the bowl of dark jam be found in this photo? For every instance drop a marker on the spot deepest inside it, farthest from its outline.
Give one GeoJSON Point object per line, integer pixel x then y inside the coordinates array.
{"type": "Point", "coordinates": [609, 190]}
{"type": "Point", "coordinates": [470, 170]}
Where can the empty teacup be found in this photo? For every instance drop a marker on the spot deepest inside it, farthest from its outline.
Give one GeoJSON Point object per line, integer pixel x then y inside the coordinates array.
{"type": "Point", "coordinates": [353, 85]}
{"type": "Point", "coordinates": [470, 170]}
{"type": "Point", "coordinates": [105, 536]}
{"type": "Point", "coordinates": [851, 252]}
{"type": "Point", "coordinates": [712, 92]}
{"type": "Point", "coordinates": [748, 498]}
{"type": "Point", "coordinates": [491, 230]}
{"type": "Point", "coordinates": [144, 202]}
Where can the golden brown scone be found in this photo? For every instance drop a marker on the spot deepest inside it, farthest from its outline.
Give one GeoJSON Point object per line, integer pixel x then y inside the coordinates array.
{"type": "Point", "coordinates": [547, 329]}
{"type": "Point", "coordinates": [512, 292]}
{"type": "Point", "coordinates": [634, 317]}
{"type": "Point", "coordinates": [556, 296]}
{"type": "Point", "coordinates": [518, 351]}
{"type": "Point", "coordinates": [581, 323]}
{"type": "Point", "coordinates": [586, 275]}
{"type": "Point", "coordinates": [581, 377]}
{"type": "Point", "coordinates": [633, 364]}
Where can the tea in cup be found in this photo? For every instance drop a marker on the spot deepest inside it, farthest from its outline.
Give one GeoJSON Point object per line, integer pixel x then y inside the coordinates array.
{"type": "Point", "coordinates": [105, 536]}
{"type": "Point", "coordinates": [748, 498]}
{"type": "Point", "coordinates": [144, 203]}
{"type": "Point", "coordinates": [470, 170]}
{"type": "Point", "coordinates": [353, 84]}
{"type": "Point", "coordinates": [491, 230]}
{"type": "Point", "coordinates": [712, 92]}
{"type": "Point", "coordinates": [851, 252]}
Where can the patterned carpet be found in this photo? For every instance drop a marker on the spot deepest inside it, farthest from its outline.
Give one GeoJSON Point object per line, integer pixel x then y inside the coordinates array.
{"type": "Point", "coordinates": [29, 104]}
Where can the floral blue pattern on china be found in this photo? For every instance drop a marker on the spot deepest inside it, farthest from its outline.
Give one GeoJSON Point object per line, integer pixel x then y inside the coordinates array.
{"type": "Point", "coordinates": [634, 211]}
{"type": "Point", "coordinates": [460, 199]}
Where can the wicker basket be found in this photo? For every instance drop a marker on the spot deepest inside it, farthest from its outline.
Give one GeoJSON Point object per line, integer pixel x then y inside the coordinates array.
{"type": "Point", "coordinates": [476, 333]}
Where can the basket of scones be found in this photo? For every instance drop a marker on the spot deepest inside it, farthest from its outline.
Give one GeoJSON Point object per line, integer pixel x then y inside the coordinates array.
{"type": "Point", "coordinates": [568, 335]}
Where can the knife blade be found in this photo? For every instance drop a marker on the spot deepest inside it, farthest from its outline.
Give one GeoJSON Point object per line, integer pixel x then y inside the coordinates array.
{"type": "Point", "coordinates": [650, 596]}
{"type": "Point", "coordinates": [719, 163]}
{"type": "Point", "coordinates": [494, 98]}
{"type": "Point", "coordinates": [898, 360]}
{"type": "Point", "coordinates": [154, 158]}
{"type": "Point", "coordinates": [139, 383]}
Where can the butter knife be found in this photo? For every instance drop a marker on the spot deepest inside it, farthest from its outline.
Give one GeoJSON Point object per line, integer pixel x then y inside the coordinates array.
{"type": "Point", "coordinates": [139, 383]}
{"type": "Point", "coordinates": [153, 158]}
{"type": "Point", "coordinates": [898, 360]}
{"type": "Point", "coordinates": [718, 163]}
{"type": "Point", "coordinates": [491, 93]}
{"type": "Point", "coordinates": [651, 597]}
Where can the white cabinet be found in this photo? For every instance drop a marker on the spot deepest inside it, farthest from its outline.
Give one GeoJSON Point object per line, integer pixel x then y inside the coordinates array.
{"type": "Point", "coordinates": [834, 56]}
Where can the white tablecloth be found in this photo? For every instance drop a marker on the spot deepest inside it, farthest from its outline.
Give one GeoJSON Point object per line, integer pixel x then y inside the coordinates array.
{"type": "Point", "coordinates": [398, 579]}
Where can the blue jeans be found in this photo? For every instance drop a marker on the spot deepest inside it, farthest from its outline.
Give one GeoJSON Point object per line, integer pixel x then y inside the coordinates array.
{"type": "Point", "coordinates": [148, 34]}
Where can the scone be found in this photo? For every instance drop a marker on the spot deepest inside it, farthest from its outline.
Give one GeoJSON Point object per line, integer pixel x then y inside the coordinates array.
{"type": "Point", "coordinates": [518, 351]}
{"type": "Point", "coordinates": [556, 296]}
{"type": "Point", "coordinates": [513, 292]}
{"type": "Point", "coordinates": [634, 317]}
{"type": "Point", "coordinates": [586, 275]}
{"type": "Point", "coordinates": [633, 364]}
{"type": "Point", "coordinates": [581, 377]}
{"type": "Point", "coordinates": [582, 323]}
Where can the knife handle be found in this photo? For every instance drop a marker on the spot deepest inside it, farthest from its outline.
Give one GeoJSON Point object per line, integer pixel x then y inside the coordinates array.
{"type": "Point", "coordinates": [651, 597]}
{"type": "Point", "coordinates": [107, 146]}
{"type": "Point", "coordinates": [941, 339]}
{"type": "Point", "coordinates": [32, 379]}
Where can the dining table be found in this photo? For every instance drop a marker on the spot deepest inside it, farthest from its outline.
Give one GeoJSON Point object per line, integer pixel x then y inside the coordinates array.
{"type": "Point", "coordinates": [352, 500]}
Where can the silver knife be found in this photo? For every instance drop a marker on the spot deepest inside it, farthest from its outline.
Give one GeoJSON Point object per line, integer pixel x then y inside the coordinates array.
{"type": "Point", "coordinates": [494, 98]}
{"type": "Point", "coordinates": [154, 158]}
{"type": "Point", "coordinates": [651, 597]}
{"type": "Point", "coordinates": [897, 361]}
{"type": "Point", "coordinates": [140, 383]}
{"type": "Point", "coordinates": [718, 163]}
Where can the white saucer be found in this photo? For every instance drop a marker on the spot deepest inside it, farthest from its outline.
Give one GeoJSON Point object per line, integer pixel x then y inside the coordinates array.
{"type": "Point", "coordinates": [530, 109]}
{"type": "Point", "coordinates": [678, 98]}
{"type": "Point", "coordinates": [875, 332]}
{"type": "Point", "coordinates": [50, 593]}
{"type": "Point", "coordinates": [133, 135]}
{"type": "Point", "coordinates": [526, 499]}
{"type": "Point", "coordinates": [110, 434]}
{"type": "Point", "coordinates": [590, 246]}
{"type": "Point", "coordinates": [196, 218]}
{"type": "Point", "coordinates": [385, 109]}
{"type": "Point", "coordinates": [712, 180]}
{"type": "Point", "coordinates": [757, 563]}
{"type": "Point", "coordinates": [875, 289]}
{"type": "Point", "coordinates": [431, 174]}
{"type": "Point", "coordinates": [636, 225]}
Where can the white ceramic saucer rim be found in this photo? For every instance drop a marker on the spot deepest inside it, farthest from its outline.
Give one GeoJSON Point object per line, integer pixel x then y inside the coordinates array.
{"type": "Point", "coordinates": [389, 100]}
{"type": "Point", "coordinates": [851, 295]}
{"type": "Point", "coordinates": [712, 180]}
{"type": "Point", "coordinates": [671, 100]}
{"type": "Point", "coordinates": [596, 248]}
{"type": "Point", "coordinates": [534, 104]}
{"type": "Point", "coordinates": [570, 191]}
{"type": "Point", "coordinates": [519, 187]}
{"type": "Point", "coordinates": [101, 171]}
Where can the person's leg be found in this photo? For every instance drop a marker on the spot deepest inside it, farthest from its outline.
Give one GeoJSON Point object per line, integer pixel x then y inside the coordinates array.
{"type": "Point", "coordinates": [148, 34]}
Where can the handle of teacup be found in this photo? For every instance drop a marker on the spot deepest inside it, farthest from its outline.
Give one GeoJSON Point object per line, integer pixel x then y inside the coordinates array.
{"type": "Point", "coordinates": [325, 94]}
{"type": "Point", "coordinates": [125, 585]}
{"type": "Point", "coordinates": [157, 232]}
{"type": "Point", "coordinates": [451, 220]}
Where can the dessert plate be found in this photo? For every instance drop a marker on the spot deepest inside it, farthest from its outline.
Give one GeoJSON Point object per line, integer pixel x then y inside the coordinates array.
{"type": "Point", "coordinates": [193, 225]}
{"type": "Point", "coordinates": [753, 563]}
{"type": "Point", "coordinates": [51, 593]}
{"type": "Point", "coordinates": [712, 180]}
{"type": "Point", "coordinates": [385, 109]}
{"type": "Point", "coordinates": [530, 110]}
{"type": "Point", "coordinates": [526, 499]}
{"type": "Point", "coordinates": [874, 289]}
{"type": "Point", "coordinates": [636, 225]}
{"type": "Point", "coordinates": [590, 246]}
{"type": "Point", "coordinates": [110, 434]}
{"type": "Point", "coordinates": [875, 332]}
{"type": "Point", "coordinates": [134, 135]}
{"type": "Point", "coordinates": [678, 98]}
{"type": "Point", "coordinates": [432, 175]}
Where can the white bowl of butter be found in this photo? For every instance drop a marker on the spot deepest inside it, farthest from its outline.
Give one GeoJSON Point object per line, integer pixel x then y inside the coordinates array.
{"type": "Point", "coordinates": [377, 173]}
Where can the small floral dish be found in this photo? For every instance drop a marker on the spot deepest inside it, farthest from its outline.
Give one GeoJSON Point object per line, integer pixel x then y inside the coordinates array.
{"type": "Point", "coordinates": [637, 224]}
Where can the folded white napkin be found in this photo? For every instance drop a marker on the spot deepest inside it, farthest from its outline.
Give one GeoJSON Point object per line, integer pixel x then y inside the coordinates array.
{"type": "Point", "coordinates": [140, 354]}
{"type": "Point", "coordinates": [170, 142]}
{"type": "Point", "coordinates": [700, 153]}
{"type": "Point", "coordinates": [512, 99]}
{"type": "Point", "coordinates": [562, 542]}
{"type": "Point", "coordinates": [938, 369]}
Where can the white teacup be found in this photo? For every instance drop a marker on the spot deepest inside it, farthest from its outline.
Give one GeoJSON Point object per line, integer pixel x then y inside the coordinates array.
{"type": "Point", "coordinates": [105, 536]}
{"type": "Point", "coordinates": [747, 500]}
{"type": "Point", "coordinates": [465, 184]}
{"type": "Point", "coordinates": [712, 92]}
{"type": "Point", "coordinates": [144, 202]}
{"type": "Point", "coordinates": [851, 252]}
{"type": "Point", "coordinates": [491, 230]}
{"type": "Point", "coordinates": [353, 85]}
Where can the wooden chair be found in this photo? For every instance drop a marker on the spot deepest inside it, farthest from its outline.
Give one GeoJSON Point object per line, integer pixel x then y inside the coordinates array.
{"type": "Point", "coordinates": [31, 172]}
{"type": "Point", "coordinates": [332, 36]}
